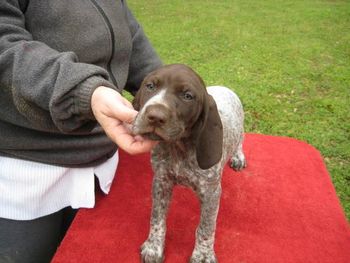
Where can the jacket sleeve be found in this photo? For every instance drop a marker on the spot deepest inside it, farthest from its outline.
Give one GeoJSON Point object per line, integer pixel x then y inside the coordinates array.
{"type": "Point", "coordinates": [144, 58]}
{"type": "Point", "coordinates": [49, 88]}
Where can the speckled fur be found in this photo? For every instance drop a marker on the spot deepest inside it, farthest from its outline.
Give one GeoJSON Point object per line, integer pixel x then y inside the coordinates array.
{"type": "Point", "coordinates": [175, 163]}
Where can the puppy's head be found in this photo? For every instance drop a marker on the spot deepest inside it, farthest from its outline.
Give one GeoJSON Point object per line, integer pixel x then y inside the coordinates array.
{"type": "Point", "coordinates": [173, 104]}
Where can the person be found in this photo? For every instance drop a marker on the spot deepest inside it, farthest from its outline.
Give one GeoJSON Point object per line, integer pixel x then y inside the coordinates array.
{"type": "Point", "coordinates": [63, 67]}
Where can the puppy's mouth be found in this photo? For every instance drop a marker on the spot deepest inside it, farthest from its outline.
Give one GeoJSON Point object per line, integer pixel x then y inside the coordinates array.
{"type": "Point", "coordinates": [151, 133]}
{"type": "Point", "coordinates": [152, 136]}
{"type": "Point", "coordinates": [166, 133]}
{"type": "Point", "coordinates": [158, 134]}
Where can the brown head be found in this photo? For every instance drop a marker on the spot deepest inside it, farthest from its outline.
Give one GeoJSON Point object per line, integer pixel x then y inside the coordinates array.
{"type": "Point", "coordinates": [174, 105]}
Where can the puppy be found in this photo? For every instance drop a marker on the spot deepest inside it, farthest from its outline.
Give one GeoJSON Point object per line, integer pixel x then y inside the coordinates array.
{"type": "Point", "coordinates": [198, 130]}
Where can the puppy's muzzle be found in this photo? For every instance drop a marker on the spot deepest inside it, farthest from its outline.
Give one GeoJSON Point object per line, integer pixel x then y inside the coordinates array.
{"type": "Point", "coordinates": [157, 115]}
{"type": "Point", "coordinates": [157, 123]}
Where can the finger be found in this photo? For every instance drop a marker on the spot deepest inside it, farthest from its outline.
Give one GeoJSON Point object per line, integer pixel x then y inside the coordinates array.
{"type": "Point", "coordinates": [128, 127]}
{"type": "Point", "coordinates": [138, 147]}
{"type": "Point", "coordinates": [123, 113]}
{"type": "Point", "coordinates": [129, 143]}
{"type": "Point", "coordinates": [109, 102]}
{"type": "Point", "coordinates": [127, 103]}
{"type": "Point", "coordinates": [134, 146]}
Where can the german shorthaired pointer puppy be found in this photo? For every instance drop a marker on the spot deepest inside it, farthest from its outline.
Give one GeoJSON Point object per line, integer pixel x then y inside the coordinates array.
{"type": "Point", "coordinates": [197, 133]}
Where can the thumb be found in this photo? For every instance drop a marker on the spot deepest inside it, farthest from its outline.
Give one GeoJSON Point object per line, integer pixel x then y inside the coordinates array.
{"type": "Point", "coordinates": [110, 103]}
{"type": "Point", "coordinates": [124, 113]}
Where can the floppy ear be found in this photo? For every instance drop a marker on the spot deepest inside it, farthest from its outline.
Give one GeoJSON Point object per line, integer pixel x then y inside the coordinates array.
{"type": "Point", "coordinates": [209, 135]}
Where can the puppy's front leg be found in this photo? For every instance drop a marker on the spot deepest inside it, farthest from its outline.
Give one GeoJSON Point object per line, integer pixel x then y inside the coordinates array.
{"type": "Point", "coordinates": [205, 234]}
{"type": "Point", "coordinates": [152, 249]}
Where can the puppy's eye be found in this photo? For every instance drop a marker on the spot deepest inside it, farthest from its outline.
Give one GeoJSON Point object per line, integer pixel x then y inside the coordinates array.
{"type": "Point", "coordinates": [187, 96]}
{"type": "Point", "coordinates": [150, 86]}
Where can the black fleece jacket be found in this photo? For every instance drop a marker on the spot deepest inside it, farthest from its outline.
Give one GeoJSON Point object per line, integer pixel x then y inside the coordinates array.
{"type": "Point", "coordinates": [53, 55]}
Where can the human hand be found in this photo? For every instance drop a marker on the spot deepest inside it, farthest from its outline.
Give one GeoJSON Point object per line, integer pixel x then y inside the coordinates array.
{"type": "Point", "coordinates": [115, 113]}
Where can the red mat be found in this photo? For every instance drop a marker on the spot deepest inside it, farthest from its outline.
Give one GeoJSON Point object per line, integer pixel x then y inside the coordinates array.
{"type": "Point", "coordinates": [282, 208]}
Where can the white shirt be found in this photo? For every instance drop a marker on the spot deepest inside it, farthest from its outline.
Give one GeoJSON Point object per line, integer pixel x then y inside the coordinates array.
{"type": "Point", "coordinates": [30, 190]}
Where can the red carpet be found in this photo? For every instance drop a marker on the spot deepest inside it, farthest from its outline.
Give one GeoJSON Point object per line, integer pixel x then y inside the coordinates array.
{"type": "Point", "coordinates": [282, 208]}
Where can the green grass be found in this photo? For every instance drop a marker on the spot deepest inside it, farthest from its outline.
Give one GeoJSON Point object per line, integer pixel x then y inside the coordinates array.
{"type": "Point", "coordinates": [289, 61]}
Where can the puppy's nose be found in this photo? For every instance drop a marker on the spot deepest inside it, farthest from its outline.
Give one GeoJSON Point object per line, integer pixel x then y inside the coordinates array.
{"type": "Point", "coordinates": [157, 115]}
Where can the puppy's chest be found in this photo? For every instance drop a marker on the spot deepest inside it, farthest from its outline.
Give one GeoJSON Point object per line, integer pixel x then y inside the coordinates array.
{"type": "Point", "coordinates": [179, 166]}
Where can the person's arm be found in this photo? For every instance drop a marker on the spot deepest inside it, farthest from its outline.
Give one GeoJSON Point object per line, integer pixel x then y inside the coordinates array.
{"type": "Point", "coordinates": [53, 90]}
{"type": "Point", "coordinates": [49, 88]}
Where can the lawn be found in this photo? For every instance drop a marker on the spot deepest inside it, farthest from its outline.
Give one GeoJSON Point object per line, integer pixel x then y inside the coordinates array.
{"type": "Point", "coordinates": [289, 61]}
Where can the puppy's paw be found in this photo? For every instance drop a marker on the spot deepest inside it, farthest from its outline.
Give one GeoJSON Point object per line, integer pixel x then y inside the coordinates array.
{"type": "Point", "coordinates": [203, 257]}
{"type": "Point", "coordinates": [151, 252]}
{"type": "Point", "coordinates": [238, 162]}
